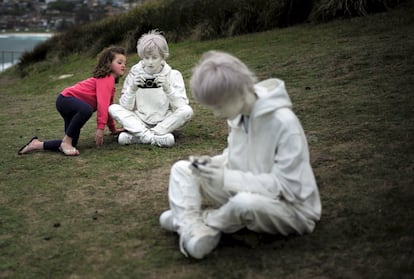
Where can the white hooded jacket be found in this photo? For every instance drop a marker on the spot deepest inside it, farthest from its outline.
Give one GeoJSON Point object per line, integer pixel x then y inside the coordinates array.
{"type": "Point", "coordinates": [272, 157]}
{"type": "Point", "coordinates": [153, 105]}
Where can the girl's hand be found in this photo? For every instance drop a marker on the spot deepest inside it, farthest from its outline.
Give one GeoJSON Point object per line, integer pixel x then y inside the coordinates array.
{"type": "Point", "coordinates": [99, 135]}
{"type": "Point", "coordinates": [117, 131]}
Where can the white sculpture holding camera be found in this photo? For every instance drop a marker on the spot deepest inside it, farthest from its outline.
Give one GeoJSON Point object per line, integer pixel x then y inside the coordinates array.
{"type": "Point", "coordinates": [154, 102]}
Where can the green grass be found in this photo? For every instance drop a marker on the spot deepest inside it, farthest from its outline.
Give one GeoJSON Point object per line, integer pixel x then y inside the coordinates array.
{"type": "Point", "coordinates": [96, 215]}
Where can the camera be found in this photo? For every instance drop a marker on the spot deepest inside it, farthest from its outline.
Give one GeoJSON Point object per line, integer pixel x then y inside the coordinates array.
{"type": "Point", "coordinates": [149, 83]}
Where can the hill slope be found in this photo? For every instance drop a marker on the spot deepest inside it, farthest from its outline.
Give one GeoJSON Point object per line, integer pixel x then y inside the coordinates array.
{"type": "Point", "coordinates": [96, 215]}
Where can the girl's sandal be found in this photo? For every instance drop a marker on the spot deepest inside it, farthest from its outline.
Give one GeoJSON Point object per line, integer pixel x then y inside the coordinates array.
{"type": "Point", "coordinates": [23, 149]}
{"type": "Point", "coordinates": [69, 151]}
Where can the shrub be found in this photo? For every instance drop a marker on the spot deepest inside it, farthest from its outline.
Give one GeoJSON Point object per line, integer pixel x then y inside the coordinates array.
{"type": "Point", "coordinates": [325, 10]}
{"type": "Point", "coordinates": [198, 20]}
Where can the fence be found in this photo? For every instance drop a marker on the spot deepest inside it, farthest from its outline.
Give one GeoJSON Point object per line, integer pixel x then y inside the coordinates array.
{"type": "Point", "coordinates": [9, 58]}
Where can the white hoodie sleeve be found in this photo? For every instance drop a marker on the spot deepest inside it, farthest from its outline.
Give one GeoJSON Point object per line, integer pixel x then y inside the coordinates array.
{"type": "Point", "coordinates": [290, 178]}
{"type": "Point", "coordinates": [220, 159]}
{"type": "Point", "coordinates": [127, 99]}
{"type": "Point", "coordinates": [236, 181]}
{"type": "Point", "coordinates": [177, 95]}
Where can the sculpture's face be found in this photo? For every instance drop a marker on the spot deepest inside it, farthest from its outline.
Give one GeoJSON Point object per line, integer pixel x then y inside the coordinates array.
{"type": "Point", "coordinates": [228, 109]}
{"type": "Point", "coordinates": [152, 62]}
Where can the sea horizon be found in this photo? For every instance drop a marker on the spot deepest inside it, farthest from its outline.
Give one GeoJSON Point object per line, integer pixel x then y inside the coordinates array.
{"type": "Point", "coordinates": [33, 34]}
{"type": "Point", "coordinates": [14, 44]}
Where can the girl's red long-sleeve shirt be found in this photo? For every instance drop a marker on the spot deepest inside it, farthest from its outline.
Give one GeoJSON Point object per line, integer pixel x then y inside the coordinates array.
{"type": "Point", "coordinates": [99, 94]}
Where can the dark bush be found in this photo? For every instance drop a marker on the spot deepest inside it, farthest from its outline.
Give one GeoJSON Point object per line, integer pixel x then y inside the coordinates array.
{"type": "Point", "coordinates": [197, 20]}
{"type": "Point", "coordinates": [325, 10]}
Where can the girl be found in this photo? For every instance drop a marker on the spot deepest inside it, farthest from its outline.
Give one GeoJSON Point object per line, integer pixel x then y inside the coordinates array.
{"type": "Point", "coordinates": [77, 103]}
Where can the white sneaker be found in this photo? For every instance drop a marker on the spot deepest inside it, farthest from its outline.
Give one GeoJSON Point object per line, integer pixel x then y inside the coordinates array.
{"type": "Point", "coordinates": [166, 140]}
{"type": "Point", "coordinates": [167, 221]}
{"type": "Point", "coordinates": [125, 138]}
{"type": "Point", "coordinates": [199, 240]}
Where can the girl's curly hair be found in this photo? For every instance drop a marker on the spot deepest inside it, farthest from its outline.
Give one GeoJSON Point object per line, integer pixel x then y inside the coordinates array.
{"type": "Point", "coordinates": [105, 58]}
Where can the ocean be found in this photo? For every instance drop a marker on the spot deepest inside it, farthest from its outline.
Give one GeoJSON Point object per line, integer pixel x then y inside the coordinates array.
{"type": "Point", "coordinates": [12, 46]}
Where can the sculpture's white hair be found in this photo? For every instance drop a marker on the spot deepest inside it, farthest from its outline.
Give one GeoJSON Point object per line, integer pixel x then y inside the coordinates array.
{"type": "Point", "coordinates": [153, 40]}
{"type": "Point", "coordinates": [220, 76]}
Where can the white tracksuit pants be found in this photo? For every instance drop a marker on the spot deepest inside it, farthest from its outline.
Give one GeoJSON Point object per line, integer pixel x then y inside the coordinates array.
{"type": "Point", "coordinates": [232, 212]}
{"type": "Point", "coordinates": [136, 126]}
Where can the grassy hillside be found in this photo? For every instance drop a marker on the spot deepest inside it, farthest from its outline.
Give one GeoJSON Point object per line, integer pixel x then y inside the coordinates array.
{"type": "Point", "coordinates": [96, 215]}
